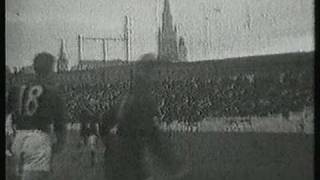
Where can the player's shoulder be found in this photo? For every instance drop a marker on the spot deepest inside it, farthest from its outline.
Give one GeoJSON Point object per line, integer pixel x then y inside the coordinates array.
{"type": "Point", "coordinates": [49, 91]}
{"type": "Point", "coordinates": [30, 84]}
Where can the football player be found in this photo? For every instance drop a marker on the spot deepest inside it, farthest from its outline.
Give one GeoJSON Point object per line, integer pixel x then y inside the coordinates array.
{"type": "Point", "coordinates": [89, 133]}
{"type": "Point", "coordinates": [39, 113]}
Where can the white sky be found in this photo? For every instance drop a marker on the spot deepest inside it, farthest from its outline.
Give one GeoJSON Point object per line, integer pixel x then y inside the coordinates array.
{"type": "Point", "coordinates": [234, 27]}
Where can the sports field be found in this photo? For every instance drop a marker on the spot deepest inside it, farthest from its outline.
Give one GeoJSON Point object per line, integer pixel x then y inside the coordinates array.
{"type": "Point", "coordinates": [212, 156]}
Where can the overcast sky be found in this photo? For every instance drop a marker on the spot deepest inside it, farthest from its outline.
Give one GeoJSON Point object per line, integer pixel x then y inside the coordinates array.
{"type": "Point", "coordinates": [213, 29]}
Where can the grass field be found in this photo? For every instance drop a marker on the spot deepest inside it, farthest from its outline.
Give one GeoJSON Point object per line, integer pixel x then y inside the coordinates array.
{"type": "Point", "coordinates": [212, 156]}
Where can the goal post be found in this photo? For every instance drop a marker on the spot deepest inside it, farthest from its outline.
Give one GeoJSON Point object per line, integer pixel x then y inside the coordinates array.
{"type": "Point", "coordinates": [124, 39]}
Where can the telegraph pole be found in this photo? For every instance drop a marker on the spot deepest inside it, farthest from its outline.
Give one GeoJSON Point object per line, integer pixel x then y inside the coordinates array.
{"type": "Point", "coordinates": [80, 49]}
{"type": "Point", "coordinates": [205, 29]}
{"type": "Point", "coordinates": [127, 38]}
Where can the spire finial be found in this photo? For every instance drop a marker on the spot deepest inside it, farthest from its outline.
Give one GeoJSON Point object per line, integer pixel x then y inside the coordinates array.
{"type": "Point", "coordinates": [62, 49]}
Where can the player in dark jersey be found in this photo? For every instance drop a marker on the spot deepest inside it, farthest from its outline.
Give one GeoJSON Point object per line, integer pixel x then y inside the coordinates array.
{"type": "Point", "coordinates": [131, 131]}
{"type": "Point", "coordinates": [39, 121]}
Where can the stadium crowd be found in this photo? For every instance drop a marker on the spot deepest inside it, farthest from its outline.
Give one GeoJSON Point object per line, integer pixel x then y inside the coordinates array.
{"type": "Point", "coordinates": [94, 97]}
{"type": "Point", "coordinates": [193, 99]}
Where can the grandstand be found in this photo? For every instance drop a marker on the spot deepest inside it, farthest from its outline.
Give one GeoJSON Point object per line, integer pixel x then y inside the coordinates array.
{"type": "Point", "coordinates": [191, 91]}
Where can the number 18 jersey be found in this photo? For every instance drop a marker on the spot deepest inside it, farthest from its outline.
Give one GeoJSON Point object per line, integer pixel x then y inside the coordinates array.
{"type": "Point", "coordinates": [36, 106]}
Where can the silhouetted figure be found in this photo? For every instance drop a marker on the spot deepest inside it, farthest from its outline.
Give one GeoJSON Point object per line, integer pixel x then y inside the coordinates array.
{"type": "Point", "coordinates": [131, 130]}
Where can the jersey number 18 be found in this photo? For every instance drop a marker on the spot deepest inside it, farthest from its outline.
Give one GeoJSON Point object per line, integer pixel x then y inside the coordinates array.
{"type": "Point", "coordinates": [28, 101]}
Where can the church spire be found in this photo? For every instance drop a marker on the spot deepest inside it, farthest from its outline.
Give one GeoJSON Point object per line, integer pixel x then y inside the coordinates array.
{"type": "Point", "coordinates": [166, 7]}
{"type": "Point", "coordinates": [62, 54]}
{"type": "Point", "coordinates": [166, 16]}
{"type": "Point", "coordinates": [62, 59]}
{"type": "Point", "coordinates": [167, 43]}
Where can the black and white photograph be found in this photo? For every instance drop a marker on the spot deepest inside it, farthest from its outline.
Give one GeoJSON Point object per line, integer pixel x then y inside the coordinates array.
{"type": "Point", "coordinates": [159, 89]}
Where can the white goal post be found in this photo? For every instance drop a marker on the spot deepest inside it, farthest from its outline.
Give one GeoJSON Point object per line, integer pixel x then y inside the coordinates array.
{"type": "Point", "coordinates": [124, 38]}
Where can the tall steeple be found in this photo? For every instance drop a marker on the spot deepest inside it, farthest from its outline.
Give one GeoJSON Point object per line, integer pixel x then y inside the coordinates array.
{"type": "Point", "coordinates": [166, 6]}
{"type": "Point", "coordinates": [62, 59]}
{"type": "Point", "coordinates": [167, 37]}
{"type": "Point", "coordinates": [62, 54]}
{"type": "Point", "coordinates": [166, 16]}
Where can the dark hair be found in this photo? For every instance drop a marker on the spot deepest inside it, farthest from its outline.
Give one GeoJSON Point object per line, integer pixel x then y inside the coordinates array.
{"type": "Point", "coordinates": [143, 71]}
{"type": "Point", "coordinates": [43, 63]}
{"type": "Point", "coordinates": [146, 63]}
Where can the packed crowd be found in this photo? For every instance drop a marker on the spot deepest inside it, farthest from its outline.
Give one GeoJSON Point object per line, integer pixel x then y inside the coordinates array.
{"type": "Point", "coordinates": [191, 100]}
{"type": "Point", "coordinates": [94, 97]}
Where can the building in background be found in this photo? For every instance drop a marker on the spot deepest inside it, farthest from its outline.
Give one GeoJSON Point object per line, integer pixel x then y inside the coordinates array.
{"type": "Point", "coordinates": [62, 62]}
{"type": "Point", "coordinates": [168, 47]}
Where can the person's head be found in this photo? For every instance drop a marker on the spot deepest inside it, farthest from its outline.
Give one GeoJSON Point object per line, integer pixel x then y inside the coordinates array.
{"type": "Point", "coordinates": [43, 64]}
{"type": "Point", "coordinates": [143, 71]}
{"type": "Point", "coordinates": [144, 66]}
